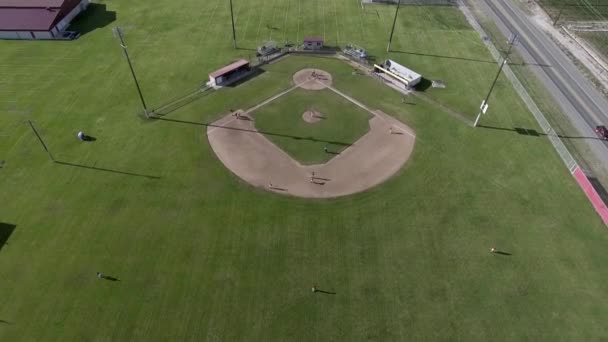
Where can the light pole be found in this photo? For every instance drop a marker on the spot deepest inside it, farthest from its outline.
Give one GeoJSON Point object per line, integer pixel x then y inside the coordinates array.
{"type": "Point", "coordinates": [390, 40]}
{"type": "Point", "coordinates": [118, 32]}
{"type": "Point", "coordinates": [484, 104]}
{"type": "Point", "coordinates": [233, 30]}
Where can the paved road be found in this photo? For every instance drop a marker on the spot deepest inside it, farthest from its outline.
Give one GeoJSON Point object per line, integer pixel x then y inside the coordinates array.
{"type": "Point", "coordinates": [585, 106]}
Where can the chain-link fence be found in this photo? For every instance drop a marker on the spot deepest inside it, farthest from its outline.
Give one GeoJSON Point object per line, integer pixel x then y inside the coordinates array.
{"type": "Point", "coordinates": [555, 140]}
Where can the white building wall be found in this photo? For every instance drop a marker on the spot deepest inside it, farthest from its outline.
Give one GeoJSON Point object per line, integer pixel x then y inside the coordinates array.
{"type": "Point", "coordinates": [43, 35]}
{"type": "Point", "coordinates": [410, 75]}
{"type": "Point", "coordinates": [68, 18]}
{"type": "Point", "coordinates": [8, 35]}
{"type": "Point", "coordinates": [24, 35]}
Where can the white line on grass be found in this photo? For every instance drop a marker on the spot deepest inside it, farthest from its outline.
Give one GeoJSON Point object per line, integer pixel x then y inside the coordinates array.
{"type": "Point", "coordinates": [271, 25]}
{"type": "Point", "coordinates": [337, 23]}
{"type": "Point", "coordinates": [205, 34]}
{"type": "Point", "coordinates": [246, 25]}
{"type": "Point", "coordinates": [357, 103]}
{"type": "Point", "coordinates": [298, 20]}
{"type": "Point", "coordinates": [323, 17]}
{"type": "Point", "coordinates": [285, 21]}
{"type": "Point", "coordinates": [259, 22]}
{"type": "Point", "coordinates": [261, 104]}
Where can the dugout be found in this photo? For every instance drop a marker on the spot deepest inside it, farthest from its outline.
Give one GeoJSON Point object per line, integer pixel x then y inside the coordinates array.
{"type": "Point", "coordinates": [229, 73]}
{"type": "Point", "coordinates": [397, 72]}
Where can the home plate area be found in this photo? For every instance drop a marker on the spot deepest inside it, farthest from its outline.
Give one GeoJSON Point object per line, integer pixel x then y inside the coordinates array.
{"type": "Point", "coordinates": [369, 161]}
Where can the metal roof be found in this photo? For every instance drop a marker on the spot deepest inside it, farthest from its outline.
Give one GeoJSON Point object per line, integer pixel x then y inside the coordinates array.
{"type": "Point", "coordinates": [31, 3]}
{"type": "Point", "coordinates": [27, 19]}
{"type": "Point", "coordinates": [229, 68]}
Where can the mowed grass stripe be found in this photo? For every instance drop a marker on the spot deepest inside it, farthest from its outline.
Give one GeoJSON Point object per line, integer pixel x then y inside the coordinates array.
{"type": "Point", "coordinates": [201, 255]}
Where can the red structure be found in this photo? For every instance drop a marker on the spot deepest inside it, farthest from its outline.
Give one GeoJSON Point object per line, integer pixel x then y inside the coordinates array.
{"type": "Point", "coordinates": [37, 19]}
{"type": "Point", "coordinates": [313, 43]}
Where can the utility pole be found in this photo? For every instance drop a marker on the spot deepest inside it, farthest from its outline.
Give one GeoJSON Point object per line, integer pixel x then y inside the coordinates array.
{"type": "Point", "coordinates": [484, 104]}
{"type": "Point", "coordinates": [390, 40]}
{"type": "Point", "coordinates": [118, 32]}
{"type": "Point", "coordinates": [233, 30]}
{"type": "Point", "coordinates": [41, 141]}
{"type": "Point", "coordinates": [559, 15]}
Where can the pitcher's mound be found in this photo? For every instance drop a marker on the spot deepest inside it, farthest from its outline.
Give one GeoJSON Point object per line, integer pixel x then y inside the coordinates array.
{"type": "Point", "coordinates": [312, 79]}
{"type": "Point", "coordinates": [312, 116]}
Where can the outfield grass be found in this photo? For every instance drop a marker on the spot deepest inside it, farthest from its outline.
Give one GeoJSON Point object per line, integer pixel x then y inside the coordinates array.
{"type": "Point", "coordinates": [599, 40]}
{"type": "Point", "coordinates": [343, 123]}
{"type": "Point", "coordinates": [203, 256]}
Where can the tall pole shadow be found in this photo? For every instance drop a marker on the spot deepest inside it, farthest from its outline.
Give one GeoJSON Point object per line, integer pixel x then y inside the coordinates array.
{"type": "Point", "coordinates": [107, 170]}
{"type": "Point", "coordinates": [341, 143]}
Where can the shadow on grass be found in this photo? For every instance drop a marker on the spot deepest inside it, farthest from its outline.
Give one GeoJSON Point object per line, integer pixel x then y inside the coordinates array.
{"type": "Point", "coordinates": [6, 230]}
{"type": "Point", "coordinates": [423, 85]}
{"type": "Point", "coordinates": [340, 143]}
{"type": "Point", "coordinates": [107, 170]}
{"type": "Point", "coordinates": [533, 132]}
{"type": "Point", "coordinates": [179, 102]}
{"type": "Point", "coordinates": [324, 292]}
{"type": "Point", "coordinates": [464, 58]}
{"type": "Point", "coordinates": [94, 17]}
{"type": "Point", "coordinates": [253, 74]}
{"type": "Point", "coordinates": [502, 253]}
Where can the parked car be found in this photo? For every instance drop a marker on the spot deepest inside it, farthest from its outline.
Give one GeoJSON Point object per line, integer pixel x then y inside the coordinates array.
{"type": "Point", "coordinates": [602, 132]}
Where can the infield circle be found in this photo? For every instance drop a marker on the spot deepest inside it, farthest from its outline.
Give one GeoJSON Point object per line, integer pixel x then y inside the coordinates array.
{"type": "Point", "coordinates": [312, 79]}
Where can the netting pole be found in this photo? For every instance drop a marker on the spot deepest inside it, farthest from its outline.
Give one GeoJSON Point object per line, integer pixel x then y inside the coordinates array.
{"type": "Point", "coordinates": [118, 32]}
{"type": "Point", "coordinates": [484, 103]}
{"type": "Point", "coordinates": [390, 40]}
{"type": "Point", "coordinates": [233, 30]}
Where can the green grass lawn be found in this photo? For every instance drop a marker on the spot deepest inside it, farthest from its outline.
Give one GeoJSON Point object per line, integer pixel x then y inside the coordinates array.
{"type": "Point", "coordinates": [343, 123]}
{"type": "Point", "coordinates": [599, 40]}
{"type": "Point", "coordinates": [203, 256]}
{"type": "Point", "coordinates": [576, 9]}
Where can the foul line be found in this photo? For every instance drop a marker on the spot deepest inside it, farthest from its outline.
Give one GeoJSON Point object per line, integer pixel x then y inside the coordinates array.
{"type": "Point", "coordinates": [263, 103]}
{"type": "Point", "coordinates": [359, 104]}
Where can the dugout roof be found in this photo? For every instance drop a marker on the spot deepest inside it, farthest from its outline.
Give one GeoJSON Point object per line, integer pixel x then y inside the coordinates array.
{"type": "Point", "coordinates": [33, 15]}
{"type": "Point", "coordinates": [228, 68]}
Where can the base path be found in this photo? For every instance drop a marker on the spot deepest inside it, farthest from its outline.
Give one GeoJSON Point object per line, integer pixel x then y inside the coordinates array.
{"type": "Point", "coordinates": [312, 79]}
{"type": "Point", "coordinates": [371, 160]}
{"type": "Point", "coordinates": [374, 158]}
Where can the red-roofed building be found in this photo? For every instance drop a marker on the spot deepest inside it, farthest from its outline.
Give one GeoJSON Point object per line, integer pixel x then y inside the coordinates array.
{"type": "Point", "coordinates": [229, 73]}
{"type": "Point", "coordinates": [37, 19]}
{"type": "Point", "coordinates": [313, 43]}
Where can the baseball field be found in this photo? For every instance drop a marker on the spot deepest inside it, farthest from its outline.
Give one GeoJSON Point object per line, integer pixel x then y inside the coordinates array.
{"type": "Point", "coordinates": [191, 251]}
